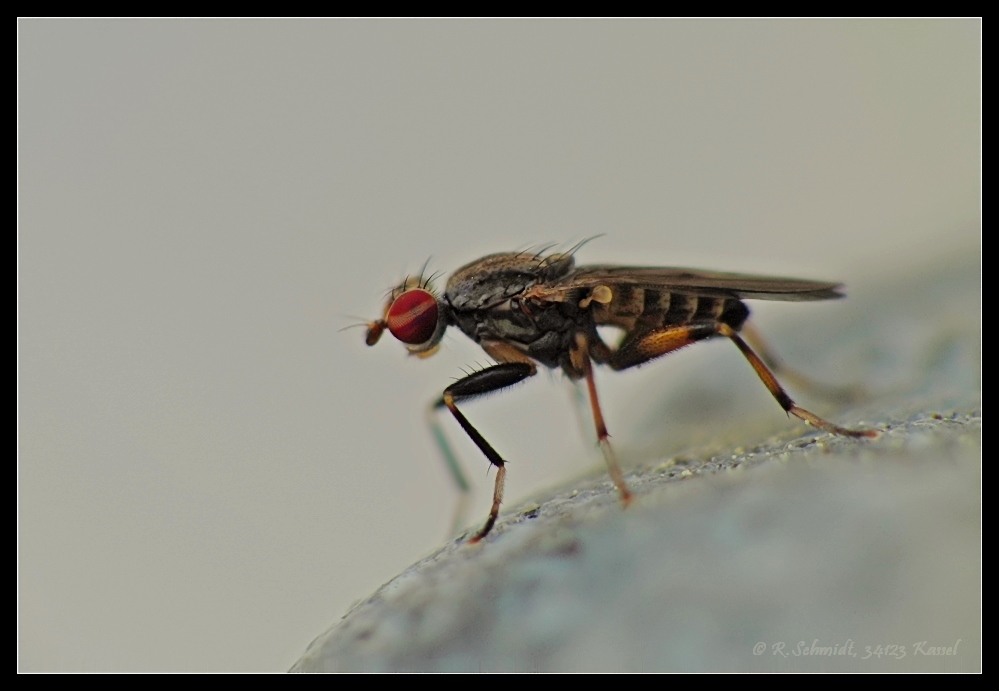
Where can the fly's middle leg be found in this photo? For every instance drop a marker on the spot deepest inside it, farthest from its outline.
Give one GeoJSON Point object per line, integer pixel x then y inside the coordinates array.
{"type": "Point", "coordinates": [581, 361]}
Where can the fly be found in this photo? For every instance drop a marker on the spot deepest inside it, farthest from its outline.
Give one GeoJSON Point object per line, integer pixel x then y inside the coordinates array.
{"type": "Point", "coordinates": [527, 309]}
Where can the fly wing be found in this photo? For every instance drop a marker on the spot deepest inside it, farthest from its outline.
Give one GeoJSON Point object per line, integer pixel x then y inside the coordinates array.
{"type": "Point", "coordinates": [696, 282]}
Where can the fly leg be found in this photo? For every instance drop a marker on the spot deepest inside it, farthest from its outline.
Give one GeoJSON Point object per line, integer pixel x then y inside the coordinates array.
{"type": "Point", "coordinates": [580, 406]}
{"type": "Point", "coordinates": [453, 467]}
{"type": "Point", "coordinates": [580, 357]}
{"type": "Point", "coordinates": [777, 391]}
{"type": "Point", "coordinates": [476, 384]}
{"type": "Point", "coordinates": [641, 348]}
{"type": "Point", "coordinates": [845, 394]}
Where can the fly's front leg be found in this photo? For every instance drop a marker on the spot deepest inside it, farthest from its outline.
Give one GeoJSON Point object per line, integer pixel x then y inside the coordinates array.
{"type": "Point", "coordinates": [451, 461]}
{"type": "Point", "coordinates": [476, 384]}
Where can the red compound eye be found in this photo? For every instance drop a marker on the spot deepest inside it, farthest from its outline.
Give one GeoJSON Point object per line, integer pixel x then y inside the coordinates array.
{"type": "Point", "coordinates": [412, 318]}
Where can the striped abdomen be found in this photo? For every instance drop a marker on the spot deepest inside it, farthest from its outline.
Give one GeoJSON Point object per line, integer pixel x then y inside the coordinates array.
{"type": "Point", "coordinates": [634, 308]}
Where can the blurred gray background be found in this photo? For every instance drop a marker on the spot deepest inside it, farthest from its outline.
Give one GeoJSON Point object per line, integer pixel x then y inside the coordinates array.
{"type": "Point", "coordinates": [209, 471]}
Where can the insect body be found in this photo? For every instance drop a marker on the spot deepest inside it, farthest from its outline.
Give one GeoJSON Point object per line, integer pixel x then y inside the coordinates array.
{"type": "Point", "coordinates": [526, 309]}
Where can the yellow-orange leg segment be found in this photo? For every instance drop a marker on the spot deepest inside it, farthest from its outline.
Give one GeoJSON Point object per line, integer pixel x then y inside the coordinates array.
{"type": "Point", "coordinates": [653, 344]}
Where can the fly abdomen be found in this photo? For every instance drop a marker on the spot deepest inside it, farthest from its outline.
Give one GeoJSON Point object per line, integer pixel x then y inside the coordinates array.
{"type": "Point", "coordinates": [681, 310]}
{"type": "Point", "coordinates": [627, 302]}
{"type": "Point", "coordinates": [709, 309]}
{"type": "Point", "coordinates": [633, 307]}
{"type": "Point", "coordinates": [734, 313]}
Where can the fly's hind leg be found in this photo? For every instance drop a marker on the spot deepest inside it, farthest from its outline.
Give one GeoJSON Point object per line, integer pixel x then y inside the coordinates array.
{"type": "Point", "coordinates": [770, 381]}
{"type": "Point", "coordinates": [640, 348]}
{"type": "Point", "coordinates": [799, 380]}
